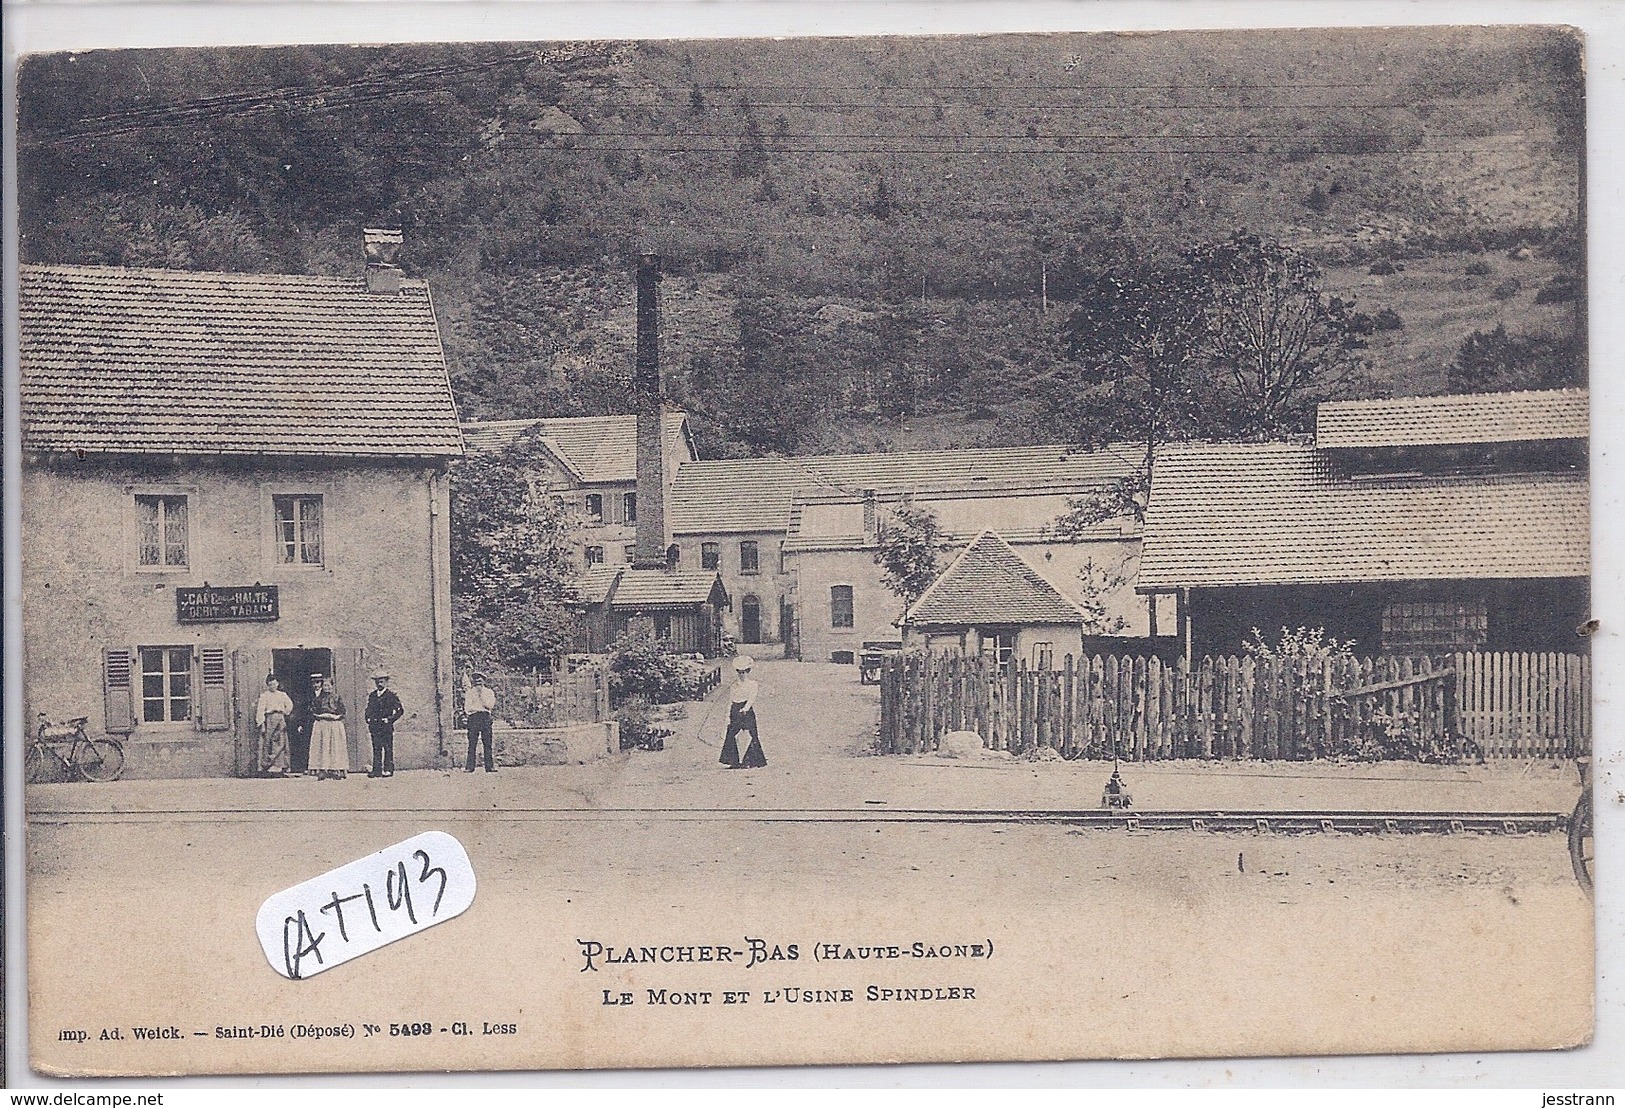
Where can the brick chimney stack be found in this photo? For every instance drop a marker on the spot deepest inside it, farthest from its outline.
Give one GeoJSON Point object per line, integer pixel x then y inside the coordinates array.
{"type": "Point", "coordinates": [382, 244]}
{"type": "Point", "coordinates": [649, 392]}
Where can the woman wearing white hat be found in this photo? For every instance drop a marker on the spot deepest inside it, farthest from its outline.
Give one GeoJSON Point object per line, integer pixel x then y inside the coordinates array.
{"type": "Point", "coordinates": [742, 717]}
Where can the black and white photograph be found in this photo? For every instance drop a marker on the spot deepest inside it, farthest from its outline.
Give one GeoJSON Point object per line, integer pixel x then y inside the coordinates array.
{"type": "Point", "coordinates": [670, 552]}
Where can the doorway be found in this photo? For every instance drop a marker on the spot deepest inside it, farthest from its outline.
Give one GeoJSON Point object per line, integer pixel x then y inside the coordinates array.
{"type": "Point", "coordinates": [292, 669]}
{"type": "Point", "coordinates": [750, 620]}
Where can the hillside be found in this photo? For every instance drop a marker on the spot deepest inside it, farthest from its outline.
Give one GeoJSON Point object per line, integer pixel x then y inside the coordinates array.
{"type": "Point", "coordinates": [871, 242]}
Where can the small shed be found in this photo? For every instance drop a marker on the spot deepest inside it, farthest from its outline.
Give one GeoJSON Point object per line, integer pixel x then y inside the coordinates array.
{"type": "Point", "coordinates": [991, 601]}
{"type": "Point", "coordinates": [685, 608]}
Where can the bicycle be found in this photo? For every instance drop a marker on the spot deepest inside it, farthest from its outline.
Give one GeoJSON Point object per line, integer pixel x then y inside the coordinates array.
{"type": "Point", "coordinates": [92, 759]}
{"type": "Point", "coordinates": [1582, 849]}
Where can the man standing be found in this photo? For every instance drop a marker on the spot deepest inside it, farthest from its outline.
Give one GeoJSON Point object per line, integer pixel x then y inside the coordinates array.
{"type": "Point", "coordinates": [479, 700]}
{"type": "Point", "coordinates": [383, 709]}
{"type": "Point", "coordinates": [271, 714]}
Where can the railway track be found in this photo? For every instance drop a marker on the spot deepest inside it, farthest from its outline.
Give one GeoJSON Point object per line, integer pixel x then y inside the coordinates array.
{"type": "Point", "coordinates": [1199, 820]}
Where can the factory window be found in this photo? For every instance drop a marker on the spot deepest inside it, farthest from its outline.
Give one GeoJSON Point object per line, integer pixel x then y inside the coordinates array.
{"type": "Point", "coordinates": [1435, 626]}
{"type": "Point", "coordinates": [840, 606]}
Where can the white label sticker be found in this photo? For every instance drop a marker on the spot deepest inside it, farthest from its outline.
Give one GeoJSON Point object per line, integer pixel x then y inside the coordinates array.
{"type": "Point", "coordinates": [366, 904]}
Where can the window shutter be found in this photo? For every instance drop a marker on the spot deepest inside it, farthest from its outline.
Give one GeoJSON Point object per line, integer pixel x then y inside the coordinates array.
{"type": "Point", "coordinates": [117, 689]}
{"type": "Point", "coordinates": [215, 714]}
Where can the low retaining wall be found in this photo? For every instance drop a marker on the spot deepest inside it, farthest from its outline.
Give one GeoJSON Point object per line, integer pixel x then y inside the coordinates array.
{"type": "Point", "coordinates": [567, 744]}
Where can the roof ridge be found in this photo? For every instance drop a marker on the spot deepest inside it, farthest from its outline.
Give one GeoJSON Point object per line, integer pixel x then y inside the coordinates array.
{"type": "Point", "coordinates": [1443, 397]}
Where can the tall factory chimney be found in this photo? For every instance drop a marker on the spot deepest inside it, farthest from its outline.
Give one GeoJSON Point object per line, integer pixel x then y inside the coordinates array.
{"type": "Point", "coordinates": [649, 391]}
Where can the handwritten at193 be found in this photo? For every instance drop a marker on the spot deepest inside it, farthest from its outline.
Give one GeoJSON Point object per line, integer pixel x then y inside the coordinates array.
{"type": "Point", "coordinates": [300, 940]}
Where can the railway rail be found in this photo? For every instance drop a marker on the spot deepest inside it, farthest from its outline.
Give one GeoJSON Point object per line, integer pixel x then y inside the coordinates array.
{"type": "Point", "coordinates": [1198, 820]}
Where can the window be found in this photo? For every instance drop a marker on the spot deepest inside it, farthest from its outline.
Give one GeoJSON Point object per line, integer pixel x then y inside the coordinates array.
{"type": "Point", "coordinates": [595, 507]}
{"type": "Point", "coordinates": [1435, 626]}
{"type": "Point", "coordinates": [710, 555]}
{"type": "Point", "coordinates": [1000, 644]}
{"type": "Point", "coordinates": [1043, 655]}
{"type": "Point", "coordinates": [748, 562]}
{"type": "Point", "coordinates": [166, 684]}
{"type": "Point", "coordinates": [629, 506]}
{"type": "Point", "coordinates": [662, 622]}
{"type": "Point", "coordinates": [629, 553]}
{"type": "Point", "coordinates": [298, 530]}
{"type": "Point", "coordinates": [784, 560]}
{"type": "Point", "coordinates": [161, 531]}
{"type": "Point", "coordinates": [595, 555]}
{"type": "Point", "coordinates": [840, 605]}
{"type": "Point", "coordinates": [843, 657]}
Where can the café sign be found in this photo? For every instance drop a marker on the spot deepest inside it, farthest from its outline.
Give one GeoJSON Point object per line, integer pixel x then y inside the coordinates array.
{"type": "Point", "coordinates": [226, 604]}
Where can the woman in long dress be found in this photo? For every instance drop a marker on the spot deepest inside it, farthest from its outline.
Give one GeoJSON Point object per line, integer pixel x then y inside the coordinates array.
{"type": "Point", "coordinates": [742, 717]}
{"type": "Point", "coordinates": [329, 752]}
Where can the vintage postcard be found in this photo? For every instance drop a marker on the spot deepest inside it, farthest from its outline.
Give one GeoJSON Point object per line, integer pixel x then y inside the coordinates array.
{"type": "Point", "coordinates": [613, 554]}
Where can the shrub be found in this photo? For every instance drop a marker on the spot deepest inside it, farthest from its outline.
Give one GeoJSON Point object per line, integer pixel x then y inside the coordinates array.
{"type": "Point", "coordinates": [1563, 287]}
{"type": "Point", "coordinates": [1382, 267]}
{"type": "Point", "coordinates": [1507, 289]}
{"type": "Point", "coordinates": [633, 716]}
{"type": "Point", "coordinates": [1479, 268]}
{"type": "Point", "coordinates": [1388, 320]}
{"type": "Point", "coordinates": [1310, 644]}
{"type": "Point", "coordinates": [641, 668]}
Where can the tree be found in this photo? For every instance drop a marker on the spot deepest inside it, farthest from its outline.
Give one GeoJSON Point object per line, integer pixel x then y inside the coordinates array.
{"type": "Point", "coordinates": [909, 553]}
{"type": "Point", "coordinates": [1275, 340]}
{"type": "Point", "coordinates": [510, 564]}
{"type": "Point", "coordinates": [1133, 343]}
{"type": "Point", "coordinates": [1496, 361]}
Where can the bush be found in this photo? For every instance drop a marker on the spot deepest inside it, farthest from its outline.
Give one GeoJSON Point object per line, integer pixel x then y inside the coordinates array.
{"type": "Point", "coordinates": [1563, 287]}
{"type": "Point", "coordinates": [1507, 289]}
{"type": "Point", "coordinates": [1479, 269]}
{"type": "Point", "coordinates": [1388, 320]}
{"type": "Point", "coordinates": [633, 716]}
{"type": "Point", "coordinates": [640, 668]}
{"type": "Point", "coordinates": [1382, 267]}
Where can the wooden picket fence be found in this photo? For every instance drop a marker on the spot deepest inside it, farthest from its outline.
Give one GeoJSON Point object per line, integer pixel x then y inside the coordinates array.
{"type": "Point", "coordinates": [1456, 706]}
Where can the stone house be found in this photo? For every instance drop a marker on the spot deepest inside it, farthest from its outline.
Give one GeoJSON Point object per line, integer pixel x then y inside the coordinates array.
{"type": "Point", "coordinates": [225, 476]}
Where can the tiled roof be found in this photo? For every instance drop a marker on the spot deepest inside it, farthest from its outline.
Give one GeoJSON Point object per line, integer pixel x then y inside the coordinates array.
{"type": "Point", "coordinates": [596, 449]}
{"type": "Point", "coordinates": [1453, 420]}
{"type": "Point", "coordinates": [1273, 513]}
{"type": "Point", "coordinates": [152, 361]}
{"type": "Point", "coordinates": [596, 583]}
{"type": "Point", "coordinates": [990, 583]}
{"type": "Point", "coordinates": [655, 588]}
{"type": "Point", "coordinates": [755, 494]}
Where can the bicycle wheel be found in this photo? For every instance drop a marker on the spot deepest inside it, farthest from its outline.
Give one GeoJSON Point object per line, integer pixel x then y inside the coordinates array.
{"type": "Point", "coordinates": [1582, 851]}
{"type": "Point", "coordinates": [37, 764]}
{"type": "Point", "coordinates": [100, 760]}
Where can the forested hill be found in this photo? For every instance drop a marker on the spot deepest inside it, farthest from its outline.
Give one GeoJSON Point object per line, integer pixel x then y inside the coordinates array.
{"type": "Point", "coordinates": [871, 242]}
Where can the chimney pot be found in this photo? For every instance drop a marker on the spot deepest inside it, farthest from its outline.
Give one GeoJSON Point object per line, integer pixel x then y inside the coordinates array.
{"type": "Point", "coordinates": [381, 244]}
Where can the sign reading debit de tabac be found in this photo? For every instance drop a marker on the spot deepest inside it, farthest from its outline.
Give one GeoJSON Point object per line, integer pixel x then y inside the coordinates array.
{"type": "Point", "coordinates": [226, 604]}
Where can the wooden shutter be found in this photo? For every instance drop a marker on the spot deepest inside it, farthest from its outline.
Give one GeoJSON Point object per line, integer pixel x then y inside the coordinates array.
{"type": "Point", "coordinates": [348, 679]}
{"type": "Point", "coordinates": [118, 684]}
{"type": "Point", "coordinates": [214, 701]}
{"type": "Point", "coordinates": [249, 668]}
